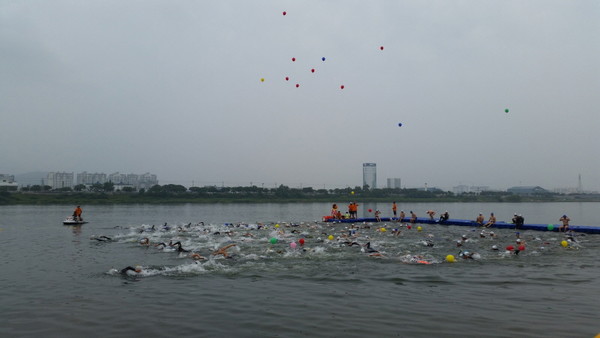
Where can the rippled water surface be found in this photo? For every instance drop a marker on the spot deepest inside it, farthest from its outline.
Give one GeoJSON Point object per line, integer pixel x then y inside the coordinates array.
{"type": "Point", "coordinates": [60, 281]}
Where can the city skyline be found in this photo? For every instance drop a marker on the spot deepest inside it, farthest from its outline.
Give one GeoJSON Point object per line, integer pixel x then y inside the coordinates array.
{"type": "Point", "coordinates": [459, 187]}
{"type": "Point", "coordinates": [495, 93]}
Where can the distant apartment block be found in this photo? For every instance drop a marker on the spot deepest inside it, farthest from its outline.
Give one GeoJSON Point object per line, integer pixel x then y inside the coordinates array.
{"type": "Point", "coordinates": [144, 181]}
{"type": "Point", "coordinates": [462, 189]}
{"type": "Point", "coordinates": [86, 178]}
{"type": "Point", "coordinates": [394, 183]}
{"type": "Point", "coordinates": [7, 182]}
{"type": "Point", "coordinates": [58, 180]}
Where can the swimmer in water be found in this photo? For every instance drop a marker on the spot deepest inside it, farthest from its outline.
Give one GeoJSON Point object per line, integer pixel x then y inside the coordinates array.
{"type": "Point", "coordinates": [137, 269]}
{"type": "Point", "coordinates": [369, 249]}
{"type": "Point", "coordinates": [102, 238]}
{"type": "Point", "coordinates": [197, 256]}
{"type": "Point", "coordinates": [223, 250]}
{"type": "Point", "coordinates": [179, 248]}
{"type": "Point", "coordinates": [145, 241]}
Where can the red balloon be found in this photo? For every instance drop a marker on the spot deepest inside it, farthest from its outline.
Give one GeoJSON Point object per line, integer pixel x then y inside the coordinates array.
{"type": "Point", "coordinates": [297, 85]}
{"type": "Point", "coordinates": [287, 78]}
{"type": "Point", "coordinates": [381, 47]}
{"type": "Point", "coordinates": [510, 248]}
{"type": "Point", "coordinates": [409, 227]}
{"type": "Point", "coordinates": [293, 59]}
{"type": "Point", "coordinates": [521, 247]}
{"type": "Point", "coordinates": [342, 87]}
{"type": "Point", "coordinates": [301, 241]}
{"type": "Point", "coordinates": [312, 70]}
{"type": "Point", "coordinates": [370, 210]}
{"type": "Point", "coordinates": [284, 13]}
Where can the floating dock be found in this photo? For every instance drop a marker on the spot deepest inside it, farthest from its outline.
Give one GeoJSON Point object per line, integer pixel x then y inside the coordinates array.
{"type": "Point", "coordinates": [471, 223]}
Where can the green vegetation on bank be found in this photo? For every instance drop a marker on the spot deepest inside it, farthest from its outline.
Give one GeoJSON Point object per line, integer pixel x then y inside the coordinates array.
{"type": "Point", "coordinates": [171, 193]}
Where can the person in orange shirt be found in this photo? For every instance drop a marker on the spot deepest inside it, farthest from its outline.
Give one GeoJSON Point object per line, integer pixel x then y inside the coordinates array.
{"type": "Point", "coordinates": [77, 214]}
{"type": "Point", "coordinates": [394, 208]}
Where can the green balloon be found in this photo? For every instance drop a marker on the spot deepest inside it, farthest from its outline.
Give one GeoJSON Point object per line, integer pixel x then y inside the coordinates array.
{"type": "Point", "coordinates": [273, 240]}
{"type": "Point", "coordinates": [506, 110]}
{"type": "Point", "coordinates": [550, 227]}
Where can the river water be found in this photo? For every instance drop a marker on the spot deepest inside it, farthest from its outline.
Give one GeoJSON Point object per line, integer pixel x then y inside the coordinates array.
{"type": "Point", "coordinates": [62, 281]}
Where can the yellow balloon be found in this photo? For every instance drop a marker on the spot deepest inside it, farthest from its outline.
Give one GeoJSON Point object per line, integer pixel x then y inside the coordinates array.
{"type": "Point", "coordinates": [352, 193]}
{"type": "Point", "coordinates": [419, 228]}
{"type": "Point", "coordinates": [277, 225]}
{"type": "Point", "coordinates": [564, 244]}
{"type": "Point", "coordinates": [450, 259]}
{"type": "Point", "coordinates": [383, 229]}
{"type": "Point", "coordinates": [330, 237]}
{"type": "Point", "coordinates": [262, 79]}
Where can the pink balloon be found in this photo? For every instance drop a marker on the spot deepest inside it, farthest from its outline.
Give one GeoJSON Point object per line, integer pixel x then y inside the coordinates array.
{"type": "Point", "coordinates": [293, 245]}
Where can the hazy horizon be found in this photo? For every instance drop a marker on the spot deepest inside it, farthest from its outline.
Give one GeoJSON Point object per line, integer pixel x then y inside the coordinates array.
{"type": "Point", "coordinates": [175, 89]}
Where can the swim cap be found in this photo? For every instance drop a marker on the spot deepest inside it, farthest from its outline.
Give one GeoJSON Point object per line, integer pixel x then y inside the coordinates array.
{"type": "Point", "coordinates": [494, 247]}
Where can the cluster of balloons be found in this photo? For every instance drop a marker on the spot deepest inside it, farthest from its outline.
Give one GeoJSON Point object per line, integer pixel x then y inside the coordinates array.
{"type": "Point", "coordinates": [287, 78]}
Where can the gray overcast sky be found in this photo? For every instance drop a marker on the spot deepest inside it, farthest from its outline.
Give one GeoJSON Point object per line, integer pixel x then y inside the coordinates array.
{"type": "Point", "coordinates": [173, 88]}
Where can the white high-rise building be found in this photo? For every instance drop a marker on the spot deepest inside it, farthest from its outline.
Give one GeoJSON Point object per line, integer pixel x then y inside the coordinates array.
{"type": "Point", "coordinates": [369, 176]}
{"type": "Point", "coordinates": [59, 180]}
{"type": "Point", "coordinates": [394, 183]}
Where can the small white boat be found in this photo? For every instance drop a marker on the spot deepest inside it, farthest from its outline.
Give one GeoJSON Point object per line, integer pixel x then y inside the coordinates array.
{"type": "Point", "coordinates": [71, 221]}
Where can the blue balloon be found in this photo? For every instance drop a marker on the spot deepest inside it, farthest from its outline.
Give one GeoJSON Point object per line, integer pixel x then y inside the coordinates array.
{"type": "Point", "coordinates": [399, 124]}
{"type": "Point", "coordinates": [323, 58]}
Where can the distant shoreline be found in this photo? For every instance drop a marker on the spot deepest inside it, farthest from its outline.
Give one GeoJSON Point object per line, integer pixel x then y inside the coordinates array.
{"type": "Point", "coordinates": [19, 198]}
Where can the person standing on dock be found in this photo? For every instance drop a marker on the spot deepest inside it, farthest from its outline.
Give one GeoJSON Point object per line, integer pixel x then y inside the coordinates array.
{"type": "Point", "coordinates": [565, 223]}
{"type": "Point", "coordinates": [394, 208]}
{"type": "Point", "coordinates": [518, 220]}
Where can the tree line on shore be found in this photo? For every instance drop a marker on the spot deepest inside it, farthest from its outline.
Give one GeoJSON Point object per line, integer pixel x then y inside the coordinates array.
{"type": "Point", "coordinates": [174, 193]}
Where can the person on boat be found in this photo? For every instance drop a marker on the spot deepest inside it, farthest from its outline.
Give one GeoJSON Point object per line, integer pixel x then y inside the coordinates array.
{"type": "Point", "coordinates": [444, 217]}
{"type": "Point", "coordinates": [77, 214]}
{"type": "Point", "coordinates": [394, 208]}
{"type": "Point", "coordinates": [479, 219]}
{"type": "Point", "coordinates": [565, 223]}
{"type": "Point", "coordinates": [223, 251]}
{"type": "Point", "coordinates": [491, 221]}
{"type": "Point", "coordinates": [518, 221]}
